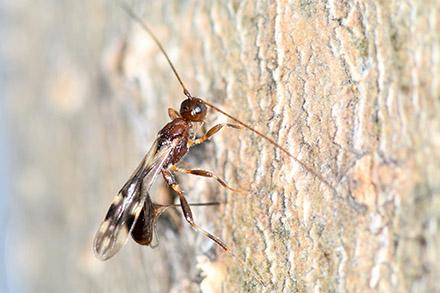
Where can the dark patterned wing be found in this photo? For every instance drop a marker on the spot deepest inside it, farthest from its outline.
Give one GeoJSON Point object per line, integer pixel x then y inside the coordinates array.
{"type": "Point", "coordinates": [127, 204]}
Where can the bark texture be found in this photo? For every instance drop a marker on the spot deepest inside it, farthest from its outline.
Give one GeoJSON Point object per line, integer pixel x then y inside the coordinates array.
{"type": "Point", "coordinates": [351, 88]}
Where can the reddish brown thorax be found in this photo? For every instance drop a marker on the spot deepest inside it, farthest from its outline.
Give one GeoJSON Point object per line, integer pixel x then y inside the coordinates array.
{"type": "Point", "coordinates": [178, 129]}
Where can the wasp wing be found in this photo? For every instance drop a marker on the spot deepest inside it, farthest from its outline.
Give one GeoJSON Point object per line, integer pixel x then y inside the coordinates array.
{"type": "Point", "coordinates": [127, 204]}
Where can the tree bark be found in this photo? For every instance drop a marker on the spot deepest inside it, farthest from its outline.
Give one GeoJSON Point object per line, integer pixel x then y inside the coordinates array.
{"type": "Point", "coordinates": [351, 89]}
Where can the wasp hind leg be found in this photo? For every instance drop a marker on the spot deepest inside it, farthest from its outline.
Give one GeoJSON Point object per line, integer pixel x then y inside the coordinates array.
{"type": "Point", "coordinates": [171, 181]}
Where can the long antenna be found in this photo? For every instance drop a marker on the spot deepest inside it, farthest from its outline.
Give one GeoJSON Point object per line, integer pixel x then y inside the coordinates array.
{"type": "Point", "coordinates": [130, 12]}
{"type": "Point", "coordinates": [270, 140]}
{"type": "Point", "coordinates": [187, 93]}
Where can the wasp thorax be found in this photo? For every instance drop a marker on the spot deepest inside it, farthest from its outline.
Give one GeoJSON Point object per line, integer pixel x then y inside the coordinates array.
{"type": "Point", "coordinates": [193, 109]}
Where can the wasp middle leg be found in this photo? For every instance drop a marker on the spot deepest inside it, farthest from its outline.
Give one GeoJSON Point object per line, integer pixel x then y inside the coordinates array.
{"type": "Point", "coordinates": [205, 173]}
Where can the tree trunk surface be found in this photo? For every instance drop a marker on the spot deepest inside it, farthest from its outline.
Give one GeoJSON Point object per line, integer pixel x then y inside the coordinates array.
{"type": "Point", "coordinates": [350, 88]}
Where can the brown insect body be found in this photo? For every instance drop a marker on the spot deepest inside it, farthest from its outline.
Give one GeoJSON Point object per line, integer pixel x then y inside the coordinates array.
{"type": "Point", "coordinates": [176, 133]}
{"type": "Point", "coordinates": [178, 129]}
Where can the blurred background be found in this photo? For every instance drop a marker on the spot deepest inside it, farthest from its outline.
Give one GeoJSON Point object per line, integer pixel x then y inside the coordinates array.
{"type": "Point", "coordinates": [53, 94]}
{"type": "Point", "coordinates": [67, 145]}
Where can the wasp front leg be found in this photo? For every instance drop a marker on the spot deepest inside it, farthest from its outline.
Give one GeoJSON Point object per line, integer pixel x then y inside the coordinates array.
{"type": "Point", "coordinates": [171, 181]}
{"type": "Point", "coordinates": [173, 114]}
{"type": "Point", "coordinates": [213, 130]}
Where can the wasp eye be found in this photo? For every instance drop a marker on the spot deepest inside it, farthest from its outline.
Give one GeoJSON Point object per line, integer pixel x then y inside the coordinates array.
{"type": "Point", "coordinates": [197, 110]}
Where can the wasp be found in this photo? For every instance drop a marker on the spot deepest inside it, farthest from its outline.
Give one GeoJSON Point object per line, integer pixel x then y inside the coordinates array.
{"type": "Point", "coordinates": [132, 211]}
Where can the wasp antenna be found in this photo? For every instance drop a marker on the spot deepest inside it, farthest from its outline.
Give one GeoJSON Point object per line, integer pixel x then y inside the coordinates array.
{"type": "Point", "coordinates": [271, 141]}
{"type": "Point", "coordinates": [142, 23]}
{"type": "Point", "coordinates": [186, 92]}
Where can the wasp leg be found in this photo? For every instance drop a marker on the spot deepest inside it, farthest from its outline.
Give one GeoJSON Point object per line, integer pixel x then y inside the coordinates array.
{"type": "Point", "coordinates": [171, 181]}
{"type": "Point", "coordinates": [213, 130]}
{"type": "Point", "coordinates": [205, 173]}
{"type": "Point", "coordinates": [173, 113]}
